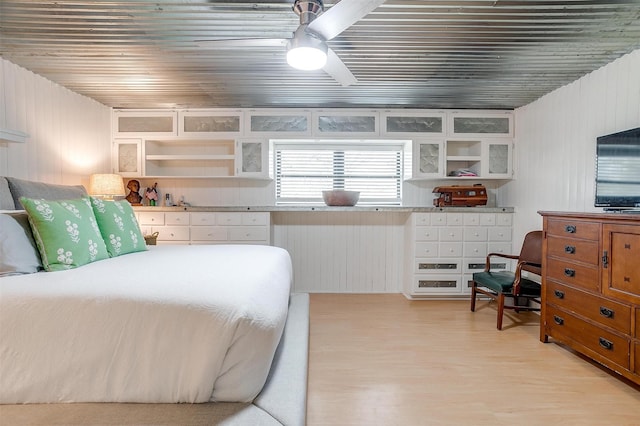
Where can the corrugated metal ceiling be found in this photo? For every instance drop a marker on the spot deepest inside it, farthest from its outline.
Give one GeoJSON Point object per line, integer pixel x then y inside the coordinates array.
{"type": "Point", "coordinates": [405, 54]}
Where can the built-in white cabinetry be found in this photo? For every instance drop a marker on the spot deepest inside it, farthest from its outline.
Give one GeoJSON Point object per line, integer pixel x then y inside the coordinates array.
{"type": "Point", "coordinates": [428, 158]}
{"type": "Point", "coordinates": [413, 124]}
{"type": "Point", "coordinates": [346, 123]}
{"type": "Point", "coordinates": [210, 124]}
{"type": "Point", "coordinates": [443, 249]}
{"type": "Point", "coordinates": [137, 123]}
{"type": "Point", "coordinates": [206, 227]}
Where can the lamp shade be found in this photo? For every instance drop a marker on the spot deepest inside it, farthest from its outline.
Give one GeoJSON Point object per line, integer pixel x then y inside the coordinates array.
{"type": "Point", "coordinates": [106, 185]}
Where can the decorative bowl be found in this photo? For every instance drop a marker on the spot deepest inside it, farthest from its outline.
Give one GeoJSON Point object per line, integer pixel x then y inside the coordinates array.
{"type": "Point", "coordinates": [340, 197]}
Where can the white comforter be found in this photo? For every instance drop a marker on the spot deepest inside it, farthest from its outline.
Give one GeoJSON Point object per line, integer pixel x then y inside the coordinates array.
{"type": "Point", "coordinates": [172, 324]}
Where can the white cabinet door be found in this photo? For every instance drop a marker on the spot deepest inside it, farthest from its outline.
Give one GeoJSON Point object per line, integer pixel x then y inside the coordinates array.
{"type": "Point", "coordinates": [412, 124]}
{"type": "Point", "coordinates": [352, 123]}
{"type": "Point", "coordinates": [428, 158]}
{"type": "Point", "coordinates": [252, 158]}
{"type": "Point", "coordinates": [127, 157]}
{"type": "Point", "coordinates": [481, 124]}
{"type": "Point", "coordinates": [210, 124]}
{"type": "Point", "coordinates": [497, 159]}
{"type": "Point", "coordinates": [144, 123]}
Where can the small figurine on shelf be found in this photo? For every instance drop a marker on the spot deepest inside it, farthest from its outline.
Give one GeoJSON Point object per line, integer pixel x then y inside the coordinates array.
{"type": "Point", "coordinates": [134, 197]}
{"type": "Point", "coordinates": [152, 194]}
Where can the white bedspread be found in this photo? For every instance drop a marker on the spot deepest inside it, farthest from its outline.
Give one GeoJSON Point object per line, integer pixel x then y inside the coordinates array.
{"type": "Point", "coordinates": [173, 324]}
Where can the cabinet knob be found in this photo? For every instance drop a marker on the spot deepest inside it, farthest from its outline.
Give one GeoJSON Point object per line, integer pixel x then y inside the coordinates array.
{"type": "Point", "coordinates": [559, 294]}
{"type": "Point", "coordinates": [569, 272]}
{"type": "Point", "coordinates": [571, 229]}
{"type": "Point", "coordinates": [569, 249]}
{"type": "Point", "coordinates": [605, 312]}
{"type": "Point", "coordinates": [558, 320]}
{"type": "Point", "coordinates": [607, 344]}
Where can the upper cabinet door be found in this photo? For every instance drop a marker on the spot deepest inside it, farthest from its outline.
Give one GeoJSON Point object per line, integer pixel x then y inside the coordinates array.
{"type": "Point", "coordinates": [481, 124]}
{"type": "Point", "coordinates": [290, 123]}
{"type": "Point", "coordinates": [144, 123]}
{"type": "Point", "coordinates": [350, 123]}
{"type": "Point", "coordinates": [128, 157]}
{"type": "Point", "coordinates": [412, 124]}
{"type": "Point", "coordinates": [217, 124]}
{"type": "Point", "coordinates": [252, 158]}
{"type": "Point", "coordinates": [497, 159]}
{"type": "Point", "coordinates": [428, 158]}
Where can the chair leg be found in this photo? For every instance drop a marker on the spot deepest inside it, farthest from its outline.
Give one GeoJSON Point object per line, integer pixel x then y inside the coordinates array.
{"type": "Point", "coordinates": [500, 310]}
{"type": "Point", "coordinates": [473, 296]}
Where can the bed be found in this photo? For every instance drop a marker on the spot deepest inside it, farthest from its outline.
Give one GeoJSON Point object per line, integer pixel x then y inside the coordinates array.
{"type": "Point", "coordinates": [171, 324]}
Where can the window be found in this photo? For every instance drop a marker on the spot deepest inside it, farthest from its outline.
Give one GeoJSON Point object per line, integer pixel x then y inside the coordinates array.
{"type": "Point", "coordinates": [303, 169]}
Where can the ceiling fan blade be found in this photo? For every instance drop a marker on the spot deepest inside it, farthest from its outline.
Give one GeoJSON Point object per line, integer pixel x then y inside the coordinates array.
{"type": "Point", "coordinates": [338, 70]}
{"type": "Point", "coordinates": [341, 16]}
{"type": "Point", "coordinates": [242, 42]}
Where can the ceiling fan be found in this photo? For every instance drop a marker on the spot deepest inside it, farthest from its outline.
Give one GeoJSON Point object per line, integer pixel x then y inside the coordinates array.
{"type": "Point", "coordinates": [307, 48]}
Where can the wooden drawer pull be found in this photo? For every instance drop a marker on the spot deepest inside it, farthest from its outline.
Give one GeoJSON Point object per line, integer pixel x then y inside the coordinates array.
{"type": "Point", "coordinates": [570, 249]}
{"type": "Point", "coordinates": [569, 272]}
{"type": "Point", "coordinates": [605, 312]}
{"type": "Point", "coordinates": [570, 229]}
{"type": "Point", "coordinates": [607, 344]}
{"type": "Point", "coordinates": [559, 294]}
{"type": "Point", "coordinates": [558, 320]}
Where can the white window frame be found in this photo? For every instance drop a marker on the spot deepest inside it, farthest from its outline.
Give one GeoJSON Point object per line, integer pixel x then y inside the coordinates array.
{"type": "Point", "coordinates": [339, 145]}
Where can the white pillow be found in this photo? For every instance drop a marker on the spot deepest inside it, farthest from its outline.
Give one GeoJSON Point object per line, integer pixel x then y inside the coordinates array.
{"type": "Point", "coordinates": [18, 253]}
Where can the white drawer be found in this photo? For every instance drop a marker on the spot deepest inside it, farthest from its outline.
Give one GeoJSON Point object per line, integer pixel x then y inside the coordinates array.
{"type": "Point", "coordinates": [436, 284]}
{"type": "Point", "coordinates": [426, 233]}
{"type": "Point", "coordinates": [504, 219]}
{"type": "Point", "coordinates": [471, 265]}
{"type": "Point", "coordinates": [438, 266]}
{"type": "Point", "coordinates": [487, 219]}
{"type": "Point", "coordinates": [438, 219]}
{"type": "Point", "coordinates": [228, 219]}
{"type": "Point", "coordinates": [422, 219]}
{"type": "Point", "coordinates": [248, 233]}
{"type": "Point", "coordinates": [426, 249]}
{"type": "Point", "coordinates": [253, 219]}
{"type": "Point", "coordinates": [151, 218]}
{"type": "Point", "coordinates": [499, 233]}
{"type": "Point", "coordinates": [176, 218]}
{"type": "Point", "coordinates": [472, 219]}
{"type": "Point", "coordinates": [475, 233]}
{"type": "Point", "coordinates": [455, 219]}
{"type": "Point", "coordinates": [450, 234]}
{"type": "Point", "coordinates": [172, 233]}
{"type": "Point", "coordinates": [467, 279]}
{"type": "Point", "coordinates": [450, 249]}
{"type": "Point", "coordinates": [203, 219]}
{"type": "Point", "coordinates": [208, 233]}
{"type": "Point", "coordinates": [502, 248]}
{"type": "Point", "coordinates": [475, 249]}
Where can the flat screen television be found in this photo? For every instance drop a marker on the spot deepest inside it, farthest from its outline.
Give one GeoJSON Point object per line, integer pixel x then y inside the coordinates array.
{"type": "Point", "coordinates": [618, 170]}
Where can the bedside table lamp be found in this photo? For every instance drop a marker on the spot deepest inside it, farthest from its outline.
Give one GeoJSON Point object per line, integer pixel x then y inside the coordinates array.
{"type": "Point", "coordinates": [106, 186]}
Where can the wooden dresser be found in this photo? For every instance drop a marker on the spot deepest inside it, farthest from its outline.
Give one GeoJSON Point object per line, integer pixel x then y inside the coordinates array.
{"type": "Point", "coordinates": [591, 287]}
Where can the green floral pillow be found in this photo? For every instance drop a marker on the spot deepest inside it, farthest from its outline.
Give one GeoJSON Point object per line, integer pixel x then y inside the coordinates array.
{"type": "Point", "coordinates": [118, 226]}
{"type": "Point", "coordinates": [66, 232]}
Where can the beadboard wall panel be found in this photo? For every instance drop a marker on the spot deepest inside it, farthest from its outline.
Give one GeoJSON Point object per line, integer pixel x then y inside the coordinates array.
{"type": "Point", "coordinates": [555, 142]}
{"type": "Point", "coordinates": [343, 252]}
{"type": "Point", "coordinates": [69, 134]}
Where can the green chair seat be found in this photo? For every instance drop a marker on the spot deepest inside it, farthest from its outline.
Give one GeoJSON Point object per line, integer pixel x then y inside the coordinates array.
{"type": "Point", "coordinates": [502, 282]}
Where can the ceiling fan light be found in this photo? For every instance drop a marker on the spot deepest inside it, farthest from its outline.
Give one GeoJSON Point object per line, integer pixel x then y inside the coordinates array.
{"type": "Point", "coordinates": [306, 58]}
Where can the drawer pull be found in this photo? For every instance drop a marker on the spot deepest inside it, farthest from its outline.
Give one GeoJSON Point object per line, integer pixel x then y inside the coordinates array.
{"type": "Point", "coordinates": [570, 249]}
{"type": "Point", "coordinates": [559, 294]}
{"type": "Point", "coordinates": [605, 312]}
{"type": "Point", "coordinates": [558, 320]}
{"type": "Point", "coordinates": [570, 229]}
{"type": "Point", "coordinates": [569, 272]}
{"type": "Point", "coordinates": [607, 344]}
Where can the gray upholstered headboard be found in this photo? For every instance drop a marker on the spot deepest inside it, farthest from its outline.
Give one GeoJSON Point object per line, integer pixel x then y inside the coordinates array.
{"type": "Point", "coordinates": [11, 189]}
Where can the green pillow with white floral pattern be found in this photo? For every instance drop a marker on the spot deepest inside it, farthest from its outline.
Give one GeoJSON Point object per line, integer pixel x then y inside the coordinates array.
{"type": "Point", "coordinates": [118, 226]}
{"type": "Point", "coordinates": [66, 232]}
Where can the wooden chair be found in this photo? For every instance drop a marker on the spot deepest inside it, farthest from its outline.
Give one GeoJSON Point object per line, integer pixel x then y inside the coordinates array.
{"type": "Point", "coordinates": [500, 284]}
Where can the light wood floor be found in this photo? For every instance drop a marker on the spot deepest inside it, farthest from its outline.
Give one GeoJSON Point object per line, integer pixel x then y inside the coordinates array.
{"type": "Point", "coordinates": [385, 360]}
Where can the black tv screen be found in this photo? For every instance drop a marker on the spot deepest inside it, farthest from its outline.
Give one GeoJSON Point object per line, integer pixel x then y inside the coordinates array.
{"type": "Point", "coordinates": [618, 170]}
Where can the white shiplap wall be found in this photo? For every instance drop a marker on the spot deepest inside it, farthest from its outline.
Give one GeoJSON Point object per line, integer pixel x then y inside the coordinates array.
{"type": "Point", "coordinates": [556, 140]}
{"type": "Point", "coordinates": [338, 252]}
{"type": "Point", "coordinates": [68, 133]}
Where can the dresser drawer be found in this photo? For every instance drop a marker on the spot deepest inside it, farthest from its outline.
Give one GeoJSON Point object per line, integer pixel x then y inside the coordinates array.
{"type": "Point", "coordinates": [636, 351]}
{"type": "Point", "coordinates": [422, 219]}
{"type": "Point", "coordinates": [248, 233]}
{"type": "Point", "coordinates": [203, 219]}
{"type": "Point", "coordinates": [450, 234]}
{"type": "Point", "coordinates": [475, 249]}
{"type": "Point", "coordinates": [475, 233]}
{"type": "Point", "coordinates": [228, 219]}
{"type": "Point", "coordinates": [638, 326]}
{"type": "Point", "coordinates": [151, 218]}
{"type": "Point", "coordinates": [426, 266]}
{"type": "Point", "coordinates": [208, 233]}
{"type": "Point", "coordinates": [583, 276]}
{"type": "Point", "coordinates": [606, 312]}
{"type": "Point", "coordinates": [573, 228]}
{"type": "Point", "coordinates": [426, 249]}
{"type": "Point", "coordinates": [436, 284]}
{"type": "Point", "coordinates": [450, 249]}
{"type": "Point", "coordinates": [499, 233]}
{"type": "Point", "coordinates": [573, 249]}
{"type": "Point", "coordinates": [562, 324]}
{"type": "Point", "coordinates": [254, 219]}
{"type": "Point", "coordinates": [426, 233]}
{"type": "Point", "coordinates": [176, 218]}
{"type": "Point", "coordinates": [173, 233]}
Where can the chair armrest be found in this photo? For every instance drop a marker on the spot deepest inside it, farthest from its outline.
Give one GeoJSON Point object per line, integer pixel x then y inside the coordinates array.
{"type": "Point", "coordinates": [518, 273]}
{"type": "Point", "coordinates": [487, 265]}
